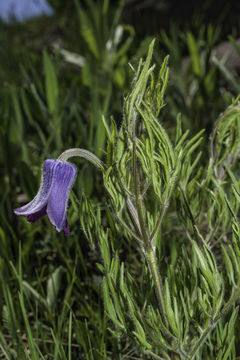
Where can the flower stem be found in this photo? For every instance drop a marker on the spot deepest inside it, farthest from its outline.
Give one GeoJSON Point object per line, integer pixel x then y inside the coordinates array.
{"type": "Point", "coordinates": [84, 154]}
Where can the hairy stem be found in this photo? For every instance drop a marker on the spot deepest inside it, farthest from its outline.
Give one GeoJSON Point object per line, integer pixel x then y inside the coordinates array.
{"type": "Point", "coordinates": [153, 265]}
{"type": "Point", "coordinates": [84, 154]}
{"type": "Point", "coordinates": [150, 253]}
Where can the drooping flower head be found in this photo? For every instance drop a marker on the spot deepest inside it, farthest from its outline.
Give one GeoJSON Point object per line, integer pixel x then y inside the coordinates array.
{"type": "Point", "coordinates": [52, 196]}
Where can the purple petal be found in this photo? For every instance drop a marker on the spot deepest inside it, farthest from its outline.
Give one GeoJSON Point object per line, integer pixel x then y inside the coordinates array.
{"type": "Point", "coordinates": [37, 215]}
{"type": "Point", "coordinates": [64, 175]}
{"type": "Point", "coordinates": [36, 206]}
{"type": "Point", "coordinates": [66, 230]}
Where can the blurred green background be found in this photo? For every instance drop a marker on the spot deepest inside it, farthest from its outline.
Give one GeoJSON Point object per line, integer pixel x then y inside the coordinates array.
{"type": "Point", "coordinates": [58, 76]}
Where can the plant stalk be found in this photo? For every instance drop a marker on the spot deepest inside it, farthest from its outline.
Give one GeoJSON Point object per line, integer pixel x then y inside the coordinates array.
{"type": "Point", "coordinates": [157, 279]}
{"type": "Point", "coordinates": [150, 253]}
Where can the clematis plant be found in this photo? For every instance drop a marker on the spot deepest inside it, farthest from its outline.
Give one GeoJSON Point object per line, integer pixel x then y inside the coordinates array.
{"type": "Point", "coordinates": [178, 307]}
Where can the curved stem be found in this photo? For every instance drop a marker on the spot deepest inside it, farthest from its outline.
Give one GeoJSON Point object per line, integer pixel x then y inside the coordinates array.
{"type": "Point", "coordinates": [84, 154]}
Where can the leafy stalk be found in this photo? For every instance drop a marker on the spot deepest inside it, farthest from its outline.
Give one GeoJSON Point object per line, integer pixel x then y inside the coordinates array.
{"type": "Point", "coordinates": [213, 323]}
{"type": "Point", "coordinates": [150, 254]}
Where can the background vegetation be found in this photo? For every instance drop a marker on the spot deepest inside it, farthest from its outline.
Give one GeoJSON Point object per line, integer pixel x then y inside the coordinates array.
{"type": "Point", "coordinates": [59, 76]}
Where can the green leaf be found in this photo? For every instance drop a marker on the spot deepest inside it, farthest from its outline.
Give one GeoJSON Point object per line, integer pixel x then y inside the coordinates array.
{"type": "Point", "coordinates": [87, 30]}
{"type": "Point", "coordinates": [53, 287]}
{"type": "Point", "coordinates": [51, 84]}
{"type": "Point", "coordinates": [194, 54]}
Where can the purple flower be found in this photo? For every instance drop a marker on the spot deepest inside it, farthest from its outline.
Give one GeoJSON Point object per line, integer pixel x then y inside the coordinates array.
{"type": "Point", "coordinates": [52, 196]}
{"type": "Point", "coordinates": [21, 10]}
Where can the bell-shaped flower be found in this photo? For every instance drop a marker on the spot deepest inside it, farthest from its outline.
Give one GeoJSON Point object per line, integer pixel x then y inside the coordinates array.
{"type": "Point", "coordinates": [52, 196]}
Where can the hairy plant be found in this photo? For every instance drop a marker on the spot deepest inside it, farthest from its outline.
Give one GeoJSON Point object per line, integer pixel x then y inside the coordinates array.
{"type": "Point", "coordinates": [175, 295]}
